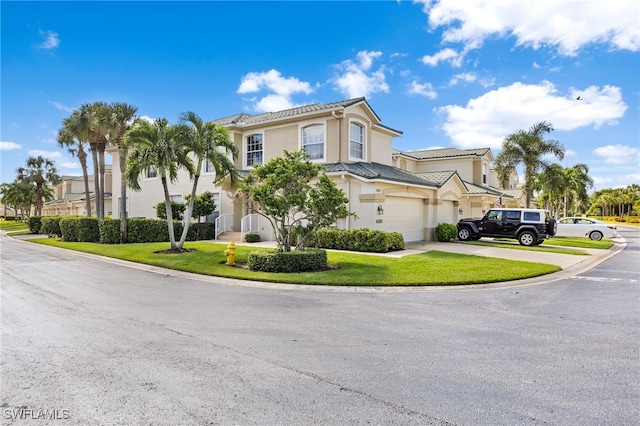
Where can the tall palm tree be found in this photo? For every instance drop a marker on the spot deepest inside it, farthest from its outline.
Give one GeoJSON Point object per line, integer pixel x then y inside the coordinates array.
{"type": "Point", "coordinates": [21, 195]}
{"type": "Point", "coordinates": [40, 171]}
{"type": "Point", "coordinates": [162, 148]}
{"type": "Point", "coordinates": [121, 121]}
{"type": "Point", "coordinates": [527, 147]}
{"type": "Point", "coordinates": [550, 183]}
{"type": "Point", "coordinates": [211, 146]}
{"type": "Point", "coordinates": [576, 184]}
{"type": "Point", "coordinates": [71, 136]}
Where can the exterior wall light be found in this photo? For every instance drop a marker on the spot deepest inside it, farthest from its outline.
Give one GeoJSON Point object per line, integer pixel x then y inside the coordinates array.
{"type": "Point", "coordinates": [380, 210]}
{"type": "Point", "coordinates": [460, 210]}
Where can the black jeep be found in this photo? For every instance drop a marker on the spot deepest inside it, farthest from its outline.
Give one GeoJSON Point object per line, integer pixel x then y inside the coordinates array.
{"type": "Point", "coordinates": [529, 226]}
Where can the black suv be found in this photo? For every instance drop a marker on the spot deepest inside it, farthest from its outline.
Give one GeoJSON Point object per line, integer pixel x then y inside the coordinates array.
{"type": "Point", "coordinates": [529, 226]}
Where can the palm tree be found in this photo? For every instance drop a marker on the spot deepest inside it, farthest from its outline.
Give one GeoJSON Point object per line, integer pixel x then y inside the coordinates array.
{"type": "Point", "coordinates": [550, 183]}
{"type": "Point", "coordinates": [211, 145]}
{"type": "Point", "coordinates": [121, 121]}
{"type": "Point", "coordinates": [21, 195]}
{"type": "Point", "coordinates": [576, 183]}
{"type": "Point", "coordinates": [40, 171]}
{"type": "Point", "coordinates": [527, 147]}
{"type": "Point", "coordinates": [157, 147]}
{"type": "Point", "coordinates": [71, 136]}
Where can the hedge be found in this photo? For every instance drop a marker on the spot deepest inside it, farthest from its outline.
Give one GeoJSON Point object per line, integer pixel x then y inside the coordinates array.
{"type": "Point", "coordinates": [294, 261]}
{"type": "Point", "coordinates": [152, 230]}
{"type": "Point", "coordinates": [35, 223]}
{"type": "Point", "coordinates": [446, 232]}
{"type": "Point", "coordinates": [363, 240]}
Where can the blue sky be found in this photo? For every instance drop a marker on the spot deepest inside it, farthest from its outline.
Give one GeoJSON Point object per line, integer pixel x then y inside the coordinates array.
{"type": "Point", "coordinates": [447, 73]}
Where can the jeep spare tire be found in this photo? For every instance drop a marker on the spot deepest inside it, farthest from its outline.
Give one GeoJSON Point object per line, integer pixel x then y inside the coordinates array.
{"type": "Point", "coordinates": [553, 227]}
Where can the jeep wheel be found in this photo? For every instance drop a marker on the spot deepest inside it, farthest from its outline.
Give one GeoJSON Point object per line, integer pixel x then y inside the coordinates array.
{"type": "Point", "coordinates": [464, 234]}
{"type": "Point", "coordinates": [596, 235]}
{"type": "Point", "coordinates": [553, 227]}
{"type": "Point", "coordinates": [527, 239]}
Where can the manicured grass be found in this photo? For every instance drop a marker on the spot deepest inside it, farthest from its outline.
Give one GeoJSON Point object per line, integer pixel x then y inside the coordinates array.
{"type": "Point", "coordinates": [14, 228]}
{"type": "Point", "coordinates": [429, 268]}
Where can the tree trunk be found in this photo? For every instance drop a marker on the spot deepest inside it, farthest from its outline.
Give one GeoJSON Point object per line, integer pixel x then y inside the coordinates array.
{"type": "Point", "coordinates": [187, 221]}
{"type": "Point", "coordinates": [101, 192]}
{"type": "Point", "coordinates": [96, 176]}
{"type": "Point", "coordinates": [82, 157]}
{"type": "Point", "coordinates": [123, 198]}
{"type": "Point", "coordinates": [167, 201]}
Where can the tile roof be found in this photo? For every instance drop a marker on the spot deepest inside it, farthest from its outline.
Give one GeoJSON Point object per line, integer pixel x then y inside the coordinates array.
{"type": "Point", "coordinates": [243, 119]}
{"type": "Point", "coordinates": [442, 153]}
{"type": "Point", "coordinates": [439, 177]}
{"type": "Point", "coordinates": [373, 171]}
{"type": "Point", "coordinates": [472, 188]}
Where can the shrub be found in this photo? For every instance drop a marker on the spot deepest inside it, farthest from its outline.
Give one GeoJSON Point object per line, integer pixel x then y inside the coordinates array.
{"type": "Point", "coordinates": [252, 237]}
{"type": "Point", "coordinates": [446, 232]}
{"type": "Point", "coordinates": [88, 230]}
{"type": "Point", "coordinates": [109, 231]}
{"type": "Point", "coordinates": [177, 210]}
{"type": "Point", "coordinates": [69, 229]}
{"type": "Point", "coordinates": [199, 231]}
{"type": "Point", "coordinates": [51, 226]}
{"type": "Point", "coordinates": [363, 240]}
{"type": "Point", "coordinates": [151, 230]}
{"type": "Point", "coordinates": [35, 224]}
{"type": "Point", "coordinates": [396, 241]}
{"type": "Point", "coordinates": [293, 261]}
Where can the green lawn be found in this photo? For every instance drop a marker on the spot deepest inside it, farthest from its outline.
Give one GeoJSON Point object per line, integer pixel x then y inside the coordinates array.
{"type": "Point", "coordinates": [429, 268]}
{"type": "Point", "coordinates": [14, 228]}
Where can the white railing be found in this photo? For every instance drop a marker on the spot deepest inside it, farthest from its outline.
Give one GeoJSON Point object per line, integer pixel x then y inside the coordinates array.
{"type": "Point", "coordinates": [224, 223]}
{"type": "Point", "coordinates": [249, 224]}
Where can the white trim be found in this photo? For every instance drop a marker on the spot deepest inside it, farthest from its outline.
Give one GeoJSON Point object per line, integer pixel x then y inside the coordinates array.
{"type": "Point", "coordinates": [364, 139]}
{"type": "Point", "coordinates": [301, 128]}
{"type": "Point", "coordinates": [245, 150]}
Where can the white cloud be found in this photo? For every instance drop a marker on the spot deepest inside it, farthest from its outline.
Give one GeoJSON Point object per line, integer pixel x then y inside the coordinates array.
{"type": "Point", "coordinates": [61, 107]}
{"type": "Point", "coordinates": [8, 146]}
{"type": "Point", "coordinates": [567, 25]}
{"type": "Point", "coordinates": [51, 40]}
{"type": "Point", "coordinates": [273, 81]}
{"type": "Point", "coordinates": [466, 77]}
{"type": "Point", "coordinates": [450, 55]}
{"type": "Point", "coordinates": [147, 119]}
{"type": "Point", "coordinates": [422, 90]}
{"type": "Point", "coordinates": [618, 154]}
{"type": "Point", "coordinates": [51, 155]}
{"type": "Point", "coordinates": [486, 120]}
{"type": "Point", "coordinates": [353, 79]}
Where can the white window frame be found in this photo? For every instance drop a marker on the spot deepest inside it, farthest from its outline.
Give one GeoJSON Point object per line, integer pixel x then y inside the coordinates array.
{"type": "Point", "coordinates": [363, 142]}
{"type": "Point", "coordinates": [324, 140]}
{"type": "Point", "coordinates": [246, 149]}
{"type": "Point", "coordinates": [176, 197]}
{"type": "Point", "coordinates": [208, 168]}
{"type": "Point", "coordinates": [155, 174]}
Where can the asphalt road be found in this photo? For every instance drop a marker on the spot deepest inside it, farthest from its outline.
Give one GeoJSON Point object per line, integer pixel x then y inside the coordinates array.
{"type": "Point", "coordinates": [93, 342]}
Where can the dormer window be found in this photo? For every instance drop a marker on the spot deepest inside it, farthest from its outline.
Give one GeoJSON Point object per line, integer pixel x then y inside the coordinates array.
{"type": "Point", "coordinates": [254, 150]}
{"type": "Point", "coordinates": [313, 141]}
{"type": "Point", "coordinates": [356, 141]}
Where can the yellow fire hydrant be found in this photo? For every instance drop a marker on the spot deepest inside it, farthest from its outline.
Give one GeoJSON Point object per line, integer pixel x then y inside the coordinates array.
{"type": "Point", "coordinates": [230, 252]}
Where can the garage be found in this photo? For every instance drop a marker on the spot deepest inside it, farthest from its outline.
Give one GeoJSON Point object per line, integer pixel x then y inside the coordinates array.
{"type": "Point", "coordinates": [405, 215]}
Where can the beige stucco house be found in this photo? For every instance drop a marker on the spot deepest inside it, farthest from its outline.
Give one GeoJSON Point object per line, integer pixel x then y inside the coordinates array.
{"type": "Point", "coordinates": [389, 190]}
{"type": "Point", "coordinates": [70, 198]}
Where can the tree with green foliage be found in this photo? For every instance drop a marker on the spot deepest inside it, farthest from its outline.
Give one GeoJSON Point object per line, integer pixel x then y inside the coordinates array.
{"type": "Point", "coordinates": [162, 148]}
{"type": "Point", "coordinates": [211, 146]}
{"type": "Point", "coordinates": [177, 210]}
{"type": "Point", "coordinates": [20, 195]}
{"type": "Point", "coordinates": [40, 171]}
{"type": "Point", "coordinates": [295, 196]}
{"type": "Point", "coordinates": [73, 138]}
{"type": "Point", "coordinates": [120, 119]}
{"type": "Point", "coordinates": [527, 147]}
{"type": "Point", "coordinates": [203, 205]}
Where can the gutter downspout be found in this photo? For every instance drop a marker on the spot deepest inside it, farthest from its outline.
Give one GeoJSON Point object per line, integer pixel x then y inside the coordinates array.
{"type": "Point", "coordinates": [339, 132]}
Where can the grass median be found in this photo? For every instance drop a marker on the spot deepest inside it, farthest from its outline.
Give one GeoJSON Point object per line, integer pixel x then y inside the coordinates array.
{"type": "Point", "coordinates": [348, 269]}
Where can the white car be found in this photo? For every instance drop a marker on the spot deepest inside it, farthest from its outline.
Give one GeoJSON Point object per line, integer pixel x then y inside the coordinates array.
{"type": "Point", "coordinates": [585, 227]}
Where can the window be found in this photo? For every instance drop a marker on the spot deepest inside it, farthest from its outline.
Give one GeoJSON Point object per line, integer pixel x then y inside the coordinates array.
{"type": "Point", "coordinates": [356, 141]}
{"type": "Point", "coordinates": [313, 141]}
{"type": "Point", "coordinates": [152, 173]}
{"type": "Point", "coordinates": [208, 167]}
{"type": "Point", "coordinates": [494, 215]}
{"type": "Point", "coordinates": [254, 150]}
{"type": "Point", "coordinates": [175, 198]}
{"type": "Point", "coordinates": [514, 215]}
{"type": "Point", "coordinates": [534, 216]}
{"type": "Point", "coordinates": [484, 173]}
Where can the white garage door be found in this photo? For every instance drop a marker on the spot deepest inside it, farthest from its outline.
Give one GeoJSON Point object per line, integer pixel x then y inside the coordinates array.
{"type": "Point", "coordinates": [404, 215]}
